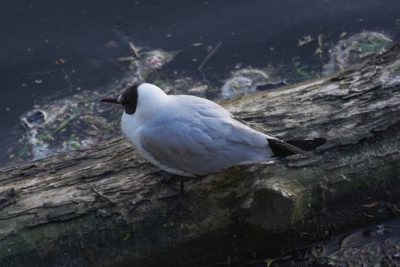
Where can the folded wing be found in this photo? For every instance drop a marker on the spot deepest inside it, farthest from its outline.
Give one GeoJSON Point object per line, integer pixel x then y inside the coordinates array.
{"type": "Point", "coordinates": [202, 139]}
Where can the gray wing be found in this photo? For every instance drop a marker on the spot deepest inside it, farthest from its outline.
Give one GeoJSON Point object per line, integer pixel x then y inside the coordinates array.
{"type": "Point", "coordinates": [202, 138]}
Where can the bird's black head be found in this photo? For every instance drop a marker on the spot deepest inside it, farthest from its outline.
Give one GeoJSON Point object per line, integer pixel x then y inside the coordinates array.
{"type": "Point", "coordinates": [128, 99]}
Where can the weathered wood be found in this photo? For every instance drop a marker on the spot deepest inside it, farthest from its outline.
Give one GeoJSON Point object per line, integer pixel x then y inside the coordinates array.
{"type": "Point", "coordinates": [103, 205]}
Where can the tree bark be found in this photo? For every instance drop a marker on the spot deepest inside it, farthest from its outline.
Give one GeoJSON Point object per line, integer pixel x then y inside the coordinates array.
{"type": "Point", "coordinates": [104, 205]}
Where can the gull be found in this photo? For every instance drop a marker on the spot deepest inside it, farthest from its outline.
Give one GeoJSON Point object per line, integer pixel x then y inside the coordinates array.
{"type": "Point", "coordinates": [191, 136]}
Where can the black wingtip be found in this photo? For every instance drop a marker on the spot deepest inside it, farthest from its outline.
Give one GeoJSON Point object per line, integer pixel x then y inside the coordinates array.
{"type": "Point", "coordinates": [291, 147]}
{"type": "Point", "coordinates": [282, 149]}
{"type": "Point", "coordinates": [307, 145]}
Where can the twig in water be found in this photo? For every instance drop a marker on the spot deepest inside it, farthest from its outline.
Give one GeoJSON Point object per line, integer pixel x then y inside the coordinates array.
{"type": "Point", "coordinates": [200, 68]}
{"type": "Point", "coordinates": [212, 52]}
{"type": "Point", "coordinates": [205, 78]}
{"type": "Point", "coordinates": [103, 196]}
{"type": "Point", "coordinates": [134, 50]}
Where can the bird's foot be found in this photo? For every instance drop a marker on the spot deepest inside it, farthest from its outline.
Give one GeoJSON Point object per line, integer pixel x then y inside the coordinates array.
{"type": "Point", "coordinates": [167, 178]}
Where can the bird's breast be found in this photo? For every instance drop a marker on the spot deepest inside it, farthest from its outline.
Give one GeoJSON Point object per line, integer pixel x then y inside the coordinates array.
{"type": "Point", "coordinates": [130, 127]}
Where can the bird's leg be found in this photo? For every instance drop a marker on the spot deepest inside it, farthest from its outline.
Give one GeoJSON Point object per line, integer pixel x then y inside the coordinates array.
{"type": "Point", "coordinates": [182, 192]}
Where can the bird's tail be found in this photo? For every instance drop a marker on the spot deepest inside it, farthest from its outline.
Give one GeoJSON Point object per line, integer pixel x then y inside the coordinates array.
{"type": "Point", "coordinates": [290, 147]}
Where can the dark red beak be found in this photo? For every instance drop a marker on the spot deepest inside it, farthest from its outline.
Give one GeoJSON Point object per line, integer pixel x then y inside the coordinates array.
{"type": "Point", "coordinates": [110, 100]}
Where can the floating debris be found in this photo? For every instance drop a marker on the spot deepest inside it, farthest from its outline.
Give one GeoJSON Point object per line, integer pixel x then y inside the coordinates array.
{"type": "Point", "coordinates": [111, 44]}
{"type": "Point", "coordinates": [198, 90]}
{"type": "Point", "coordinates": [64, 125]}
{"type": "Point", "coordinates": [126, 59]}
{"type": "Point", "coordinates": [305, 40]}
{"type": "Point", "coordinates": [33, 118]}
{"type": "Point", "coordinates": [303, 71]}
{"type": "Point", "coordinates": [59, 61]}
{"type": "Point", "coordinates": [156, 59]}
{"type": "Point", "coordinates": [319, 50]}
{"type": "Point", "coordinates": [185, 85]}
{"type": "Point", "coordinates": [145, 63]}
{"type": "Point", "coordinates": [356, 49]}
{"type": "Point", "coordinates": [243, 82]}
{"type": "Point", "coordinates": [135, 50]}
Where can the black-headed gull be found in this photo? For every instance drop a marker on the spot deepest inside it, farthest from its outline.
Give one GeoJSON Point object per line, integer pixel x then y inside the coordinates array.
{"type": "Point", "coordinates": [191, 136]}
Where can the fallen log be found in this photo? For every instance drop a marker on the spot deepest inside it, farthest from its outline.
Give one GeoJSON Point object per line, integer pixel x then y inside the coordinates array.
{"type": "Point", "coordinates": [104, 205]}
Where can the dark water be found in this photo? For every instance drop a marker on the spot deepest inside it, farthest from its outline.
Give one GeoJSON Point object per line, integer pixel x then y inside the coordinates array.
{"type": "Point", "coordinates": [34, 34]}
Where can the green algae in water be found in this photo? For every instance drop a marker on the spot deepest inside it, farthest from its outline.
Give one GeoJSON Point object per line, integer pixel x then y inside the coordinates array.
{"type": "Point", "coordinates": [372, 45]}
